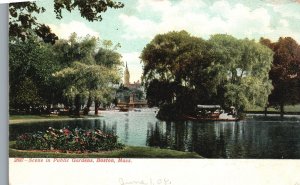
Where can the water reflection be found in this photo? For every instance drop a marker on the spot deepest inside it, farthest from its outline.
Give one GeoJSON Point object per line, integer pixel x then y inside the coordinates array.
{"type": "Point", "coordinates": [258, 137]}
{"type": "Point", "coordinates": [229, 139]}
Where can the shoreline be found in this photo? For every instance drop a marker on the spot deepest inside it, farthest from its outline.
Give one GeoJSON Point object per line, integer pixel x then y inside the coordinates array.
{"type": "Point", "coordinates": [44, 118]}
{"type": "Point", "coordinates": [40, 118]}
{"type": "Point", "coordinates": [127, 152]}
{"type": "Point", "coordinates": [34, 120]}
{"type": "Point", "coordinates": [272, 113]}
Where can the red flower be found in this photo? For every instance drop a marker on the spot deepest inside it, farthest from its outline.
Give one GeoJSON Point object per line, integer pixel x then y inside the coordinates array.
{"type": "Point", "coordinates": [87, 133]}
{"type": "Point", "coordinates": [66, 132]}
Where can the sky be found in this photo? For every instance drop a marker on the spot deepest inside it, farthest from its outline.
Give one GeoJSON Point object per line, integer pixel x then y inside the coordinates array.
{"type": "Point", "coordinates": [139, 21]}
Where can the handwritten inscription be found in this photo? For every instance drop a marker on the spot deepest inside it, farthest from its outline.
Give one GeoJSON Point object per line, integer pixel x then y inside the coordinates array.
{"type": "Point", "coordinates": [150, 181]}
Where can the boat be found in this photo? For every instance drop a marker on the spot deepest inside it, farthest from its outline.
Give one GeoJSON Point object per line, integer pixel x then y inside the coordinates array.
{"type": "Point", "coordinates": [212, 113]}
{"type": "Point", "coordinates": [124, 109]}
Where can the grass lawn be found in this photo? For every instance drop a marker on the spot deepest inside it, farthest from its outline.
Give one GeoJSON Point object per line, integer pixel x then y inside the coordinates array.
{"type": "Point", "coordinates": [35, 118]}
{"type": "Point", "coordinates": [127, 152]}
{"type": "Point", "coordinates": [287, 108]}
{"type": "Point", "coordinates": [16, 117]}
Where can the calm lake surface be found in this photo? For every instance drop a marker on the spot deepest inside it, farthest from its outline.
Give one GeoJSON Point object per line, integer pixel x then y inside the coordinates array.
{"type": "Point", "coordinates": [255, 137]}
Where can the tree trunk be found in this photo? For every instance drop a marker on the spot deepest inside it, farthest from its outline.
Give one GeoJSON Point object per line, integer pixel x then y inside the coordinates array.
{"type": "Point", "coordinates": [88, 105]}
{"type": "Point", "coordinates": [96, 107]}
{"type": "Point", "coordinates": [266, 111]}
{"type": "Point", "coordinates": [49, 107]}
{"type": "Point", "coordinates": [281, 110]}
{"type": "Point", "coordinates": [77, 105]}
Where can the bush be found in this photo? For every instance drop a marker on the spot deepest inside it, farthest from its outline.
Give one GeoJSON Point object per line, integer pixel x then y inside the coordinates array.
{"type": "Point", "coordinates": [169, 112]}
{"type": "Point", "coordinates": [68, 140]}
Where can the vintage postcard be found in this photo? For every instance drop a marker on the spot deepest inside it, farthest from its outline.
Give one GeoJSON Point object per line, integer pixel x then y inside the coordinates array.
{"type": "Point", "coordinates": [114, 85]}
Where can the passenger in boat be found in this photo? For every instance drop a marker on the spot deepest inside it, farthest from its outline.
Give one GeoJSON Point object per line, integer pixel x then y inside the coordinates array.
{"type": "Point", "coordinates": [232, 111]}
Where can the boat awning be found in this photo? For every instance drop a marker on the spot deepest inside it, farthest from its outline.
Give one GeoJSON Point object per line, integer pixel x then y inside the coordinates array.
{"type": "Point", "coordinates": [209, 106]}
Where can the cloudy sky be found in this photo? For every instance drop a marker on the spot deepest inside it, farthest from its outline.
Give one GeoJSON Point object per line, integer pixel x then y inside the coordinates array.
{"type": "Point", "coordinates": [139, 21]}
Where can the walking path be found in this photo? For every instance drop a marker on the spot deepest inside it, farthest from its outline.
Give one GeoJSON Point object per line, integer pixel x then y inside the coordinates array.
{"type": "Point", "coordinates": [16, 121]}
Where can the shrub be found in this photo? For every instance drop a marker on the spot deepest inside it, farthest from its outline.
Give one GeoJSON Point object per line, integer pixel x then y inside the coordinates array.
{"type": "Point", "coordinates": [69, 140]}
{"type": "Point", "coordinates": [169, 112]}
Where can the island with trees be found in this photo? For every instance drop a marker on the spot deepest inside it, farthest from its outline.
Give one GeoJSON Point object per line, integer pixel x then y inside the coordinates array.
{"type": "Point", "coordinates": [182, 71]}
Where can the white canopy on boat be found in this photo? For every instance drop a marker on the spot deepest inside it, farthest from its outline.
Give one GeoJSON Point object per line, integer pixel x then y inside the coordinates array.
{"type": "Point", "coordinates": [209, 106]}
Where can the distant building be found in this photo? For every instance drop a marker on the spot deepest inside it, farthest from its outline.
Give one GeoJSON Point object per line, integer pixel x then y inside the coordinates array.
{"type": "Point", "coordinates": [132, 95]}
{"type": "Point", "coordinates": [135, 85]}
{"type": "Point", "coordinates": [126, 77]}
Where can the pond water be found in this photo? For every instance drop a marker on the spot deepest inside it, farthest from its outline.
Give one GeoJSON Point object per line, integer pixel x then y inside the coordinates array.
{"type": "Point", "coordinates": [255, 137]}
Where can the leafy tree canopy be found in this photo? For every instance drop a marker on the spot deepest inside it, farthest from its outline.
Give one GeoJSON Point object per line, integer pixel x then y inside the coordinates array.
{"type": "Point", "coordinates": [167, 56]}
{"type": "Point", "coordinates": [31, 65]}
{"type": "Point", "coordinates": [23, 22]}
{"type": "Point", "coordinates": [88, 70]}
{"type": "Point", "coordinates": [222, 70]}
{"type": "Point", "coordinates": [240, 67]}
{"type": "Point", "coordinates": [285, 71]}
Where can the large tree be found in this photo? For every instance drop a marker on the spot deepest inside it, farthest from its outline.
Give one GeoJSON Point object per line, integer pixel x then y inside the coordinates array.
{"type": "Point", "coordinates": [88, 75]}
{"type": "Point", "coordinates": [88, 81]}
{"type": "Point", "coordinates": [31, 66]}
{"type": "Point", "coordinates": [170, 62]}
{"type": "Point", "coordinates": [222, 70]}
{"type": "Point", "coordinates": [240, 68]}
{"type": "Point", "coordinates": [168, 56]}
{"type": "Point", "coordinates": [285, 72]}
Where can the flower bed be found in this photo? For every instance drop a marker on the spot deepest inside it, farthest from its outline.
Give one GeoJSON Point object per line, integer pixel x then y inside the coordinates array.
{"type": "Point", "coordinates": [69, 140]}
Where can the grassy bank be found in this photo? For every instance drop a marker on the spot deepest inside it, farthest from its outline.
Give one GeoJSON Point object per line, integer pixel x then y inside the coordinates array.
{"type": "Point", "coordinates": [127, 152]}
{"type": "Point", "coordinates": [39, 118]}
{"type": "Point", "coordinates": [287, 108]}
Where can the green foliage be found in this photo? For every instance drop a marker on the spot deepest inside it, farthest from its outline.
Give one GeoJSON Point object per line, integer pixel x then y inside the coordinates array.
{"type": "Point", "coordinates": [173, 61]}
{"type": "Point", "coordinates": [127, 152]}
{"type": "Point", "coordinates": [108, 58]}
{"type": "Point", "coordinates": [23, 23]}
{"type": "Point", "coordinates": [68, 72]}
{"type": "Point", "coordinates": [222, 70]}
{"type": "Point", "coordinates": [31, 66]}
{"type": "Point", "coordinates": [138, 93]}
{"type": "Point", "coordinates": [83, 78]}
{"type": "Point", "coordinates": [68, 140]}
{"type": "Point", "coordinates": [123, 94]}
{"type": "Point", "coordinates": [75, 49]}
{"type": "Point", "coordinates": [285, 72]}
{"type": "Point", "coordinates": [169, 112]}
{"type": "Point", "coordinates": [89, 9]}
{"type": "Point", "coordinates": [160, 92]}
{"type": "Point", "coordinates": [26, 95]}
{"type": "Point", "coordinates": [87, 74]}
{"type": "Point", "coordinates": [168, 56]}
{"type": "Point", "coordinates": [241, 67]}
